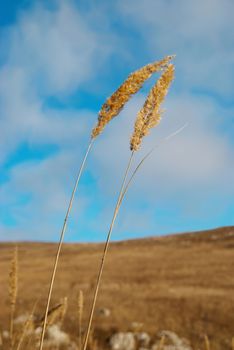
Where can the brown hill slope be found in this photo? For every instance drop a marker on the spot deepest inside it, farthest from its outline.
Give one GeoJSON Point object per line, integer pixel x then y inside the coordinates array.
{"type": "Point", "coordinates": [183, 283]}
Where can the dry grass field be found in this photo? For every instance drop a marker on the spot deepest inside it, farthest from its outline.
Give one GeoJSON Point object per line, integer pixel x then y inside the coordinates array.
{"type": "Point", "coordinates": [183, 283]}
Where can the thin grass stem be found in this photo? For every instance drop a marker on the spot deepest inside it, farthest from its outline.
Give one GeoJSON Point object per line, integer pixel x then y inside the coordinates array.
{"type": "Point", "coordinates": [61, 242]}
{"type": "Point", "coordinates": [80, 315]}
{"type": "Point", "coordinates": [105, 251]}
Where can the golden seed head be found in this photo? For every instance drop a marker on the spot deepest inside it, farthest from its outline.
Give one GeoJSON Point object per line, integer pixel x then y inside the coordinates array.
{"type": "Point", "coordinates": [54, 314]}
{"type": "Point", "coordinates": [130, 86]}
{"type": "Point", "coordinates": [150, 114]}
{"type": "Point", "coordinates": [63, 309]}
{"type": "Point", "coordinates": [13, 278]}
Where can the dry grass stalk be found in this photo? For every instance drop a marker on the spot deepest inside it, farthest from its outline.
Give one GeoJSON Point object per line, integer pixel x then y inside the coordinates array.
{"type": "Point", "coordinates": [80, 315]}
{"type": "Point", "coordinates": [150, 115]}
{"type": "Point", "coordinates": [13, 289]}
{"type": "Point", "coordinates": [114, 104]}
{"type": "Point", "coordinates": [232, 343]}
{"type": "Point", "coordinates": [110, 109]}
{"type": "Point", "coordinates": [207, 342]}
{"type": "Point", "coordinates": [146, 119]}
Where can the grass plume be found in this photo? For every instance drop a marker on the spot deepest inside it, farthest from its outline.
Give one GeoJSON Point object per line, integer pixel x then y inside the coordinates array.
{"type": "Point", "coordinates": [80, 316]}
{"type": "Point", "coordinates": [64, 302]}
{"type": "Point", "coordinates": [150, 115]}
{"type": "Point", "coordinates": [53, 315]}
{"type": "Point", "coordinates": [121, 96]}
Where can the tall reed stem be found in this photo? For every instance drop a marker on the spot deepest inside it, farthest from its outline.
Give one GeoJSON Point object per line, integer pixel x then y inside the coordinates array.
{"type": "Point", "coordinates": [80, 314]}
{"type": "Point", "coordinates": [119, 200]}
{"type": "Point", "coordinates": [61, 242]}
{"type": "Point", "coordinates": [13, 289]}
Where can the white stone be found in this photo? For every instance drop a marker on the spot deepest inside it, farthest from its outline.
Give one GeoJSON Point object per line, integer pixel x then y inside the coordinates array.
{"type": "Point", "coordinates": [56, 336]}
{"type": "Point", "coordinates": [143, 339]}
{"type": "Point", "coordinates": [123, 341]}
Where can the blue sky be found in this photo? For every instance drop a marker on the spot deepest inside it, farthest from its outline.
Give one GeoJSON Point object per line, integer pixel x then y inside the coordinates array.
{"type": "Point", "coordinates": [59, 60]}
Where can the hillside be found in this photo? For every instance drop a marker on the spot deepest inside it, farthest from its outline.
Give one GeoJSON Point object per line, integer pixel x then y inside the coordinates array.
{"type": "Point", "coordinates": [183, 283]}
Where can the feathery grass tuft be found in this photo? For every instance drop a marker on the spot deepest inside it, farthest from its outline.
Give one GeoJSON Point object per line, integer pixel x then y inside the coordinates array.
{"type": "Point", "coordinates": [114, 104]}
{"type": "Point", "coordinates": [53, 315]}
{"type": "Point", "coordinates": [150, 115]}
{"type": "Point", "coordinates": [63, 310]}
{"type": "Point", "coordinates": [13, 290]}
{"type": "Point", "coordinates": [80, 315]}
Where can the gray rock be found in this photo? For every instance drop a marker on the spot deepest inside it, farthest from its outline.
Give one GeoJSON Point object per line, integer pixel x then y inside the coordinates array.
{"type": "Point", "coordinates": [55, 336]}
{"type": "Point", "coordinates": [104, 312]}
{"type": "Point", "coordinates": [123, 341]}
{"type": "Point", "coordinates": [143, 339]}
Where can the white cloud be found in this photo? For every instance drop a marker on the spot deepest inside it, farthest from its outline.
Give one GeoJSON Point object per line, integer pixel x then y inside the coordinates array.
{"type": "Point", "coordinates": [56, 48]}
{"type": "Point", "coordinates": [47, 52]}
{"type": "Point", "coordinates": [38, 194]}
{"type": "Point", "coordinates": [199, 32]}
